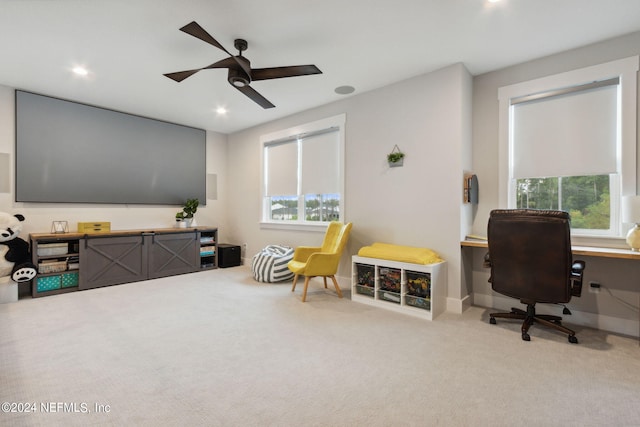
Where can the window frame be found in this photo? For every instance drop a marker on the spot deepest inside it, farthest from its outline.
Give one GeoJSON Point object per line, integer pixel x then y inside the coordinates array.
{"type": "Point", "coordinates": [296, 132]}
{"type": "Point", "coordinates": [626, 70]}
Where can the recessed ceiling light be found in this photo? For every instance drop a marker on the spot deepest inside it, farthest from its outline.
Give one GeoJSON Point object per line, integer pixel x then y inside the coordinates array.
{"type": "Point", "coordinates": [221, 111]}
{"type": "Point", "coordinates": [80, 71]}
{"type": "Point", "coordinates": [344, 90]}
{"type": "Point", "coordinates": [493, 1]}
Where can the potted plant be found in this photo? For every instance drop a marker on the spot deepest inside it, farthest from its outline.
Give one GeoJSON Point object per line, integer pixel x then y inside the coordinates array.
{"type": "Point", "coordinates": [394, 158]}
{"type": "Point", "coordinates": [188, 211]}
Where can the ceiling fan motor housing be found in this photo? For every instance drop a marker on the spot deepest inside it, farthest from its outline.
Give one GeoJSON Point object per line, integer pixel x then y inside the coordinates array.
{"type": "Point", "coordinates": [237, 76]}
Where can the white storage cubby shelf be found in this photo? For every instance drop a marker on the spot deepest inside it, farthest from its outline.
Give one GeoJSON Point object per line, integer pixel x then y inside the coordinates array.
{"type": "Point", "coordinates": [415, 289]}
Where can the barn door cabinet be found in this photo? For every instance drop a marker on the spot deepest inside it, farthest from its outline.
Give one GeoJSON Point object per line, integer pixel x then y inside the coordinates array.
{"type": "Point", "coordinates": [104, 259]}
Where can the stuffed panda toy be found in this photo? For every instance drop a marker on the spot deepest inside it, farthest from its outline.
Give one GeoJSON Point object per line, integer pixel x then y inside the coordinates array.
{"type": "Point", "coordinates": [15, 258]}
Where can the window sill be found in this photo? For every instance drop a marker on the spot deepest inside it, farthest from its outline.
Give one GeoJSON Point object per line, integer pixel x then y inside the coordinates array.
{"type": "Point", "coordinates": [297, 226]}
{"type": "Point", "coordinates": [600, 242]}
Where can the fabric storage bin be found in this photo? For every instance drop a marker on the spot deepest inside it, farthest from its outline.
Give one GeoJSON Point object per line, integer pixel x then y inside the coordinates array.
{"type": "Point", "coordinates": [69, 280]}
{"type": "Point", "coordinates": [47, 249]}
{"type": "Point", "coordinates": [47, 283]}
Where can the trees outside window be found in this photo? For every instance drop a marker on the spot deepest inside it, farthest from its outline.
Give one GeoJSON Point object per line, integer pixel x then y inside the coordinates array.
{"type": "Point", "coordinates": [586, 198]}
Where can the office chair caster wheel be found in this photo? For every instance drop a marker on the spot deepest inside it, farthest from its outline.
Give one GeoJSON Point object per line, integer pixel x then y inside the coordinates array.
{"type": "Point", "coordinates": [492, 320]}
{"type": "Point", "coordinates": [573, 339]}
{"type": "Point", "coordinates": [526, 337]}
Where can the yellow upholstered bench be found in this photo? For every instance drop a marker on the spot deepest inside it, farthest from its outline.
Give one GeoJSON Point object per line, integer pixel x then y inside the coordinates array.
{"type": "Point", "coordinates": [400, 253]}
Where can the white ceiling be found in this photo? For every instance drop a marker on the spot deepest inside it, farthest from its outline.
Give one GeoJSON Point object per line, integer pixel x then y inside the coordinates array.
{"type": "Point", "coordinates": [129, 44]}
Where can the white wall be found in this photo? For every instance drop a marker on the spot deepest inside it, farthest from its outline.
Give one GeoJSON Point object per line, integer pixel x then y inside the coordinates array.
{"type": "Point", "coordinates": [419, 204]}
{"type": "Point", "coordinates": [40, 215]}
{"type": "Point", "coordinates": [447, 124]}
{"type": "Point", "coordinates": [616, 307]}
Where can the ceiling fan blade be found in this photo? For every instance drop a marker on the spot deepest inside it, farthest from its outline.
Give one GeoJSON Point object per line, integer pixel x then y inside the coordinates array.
{"type": "Point", "coordinates": [255, 96]}
{"type": "Point", "coordinates": [280, 72]}
{"type": "Point", "coordinates": [224, 63]}
{"type": "Point", "coordinates": [195, 30]}
{"type": "Point", "coordinates": [181, 75]}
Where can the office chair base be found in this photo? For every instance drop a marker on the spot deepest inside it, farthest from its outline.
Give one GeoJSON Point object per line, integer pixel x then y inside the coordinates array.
{"type": "Point", "coordinates": [530, 317]}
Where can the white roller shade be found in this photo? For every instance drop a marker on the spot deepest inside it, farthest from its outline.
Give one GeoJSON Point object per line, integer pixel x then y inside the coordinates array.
{"type": "Point", "coordinates": [572, 134]}
{"type": "Point", "coordinates": [282, 169]}
{"type": "Point", "coordinates": [321, 163]}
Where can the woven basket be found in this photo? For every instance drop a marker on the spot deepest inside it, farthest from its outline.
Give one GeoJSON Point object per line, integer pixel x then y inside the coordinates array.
{"type": "Point", "coordinates": [52, 267]}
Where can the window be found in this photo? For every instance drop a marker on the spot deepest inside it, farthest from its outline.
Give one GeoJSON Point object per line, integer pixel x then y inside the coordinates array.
{"type": "Point", "coordinates": [303, 174]}
{"type": "Point", "coordinates": [568, 142]}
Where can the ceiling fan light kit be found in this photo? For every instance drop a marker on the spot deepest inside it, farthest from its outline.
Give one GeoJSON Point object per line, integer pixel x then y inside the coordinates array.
{"type": "Point", "coordinates": [240, 74]}
{"type": "Point", "coordinates": [238, 78]}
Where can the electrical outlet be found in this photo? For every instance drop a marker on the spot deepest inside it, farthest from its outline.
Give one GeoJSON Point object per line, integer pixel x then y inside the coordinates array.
{"type": "Point", "coordinates": [594, 287]}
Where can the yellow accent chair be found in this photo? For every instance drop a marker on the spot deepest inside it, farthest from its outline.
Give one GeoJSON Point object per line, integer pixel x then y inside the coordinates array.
{"type": "Point", "coordinates": [321, 261]}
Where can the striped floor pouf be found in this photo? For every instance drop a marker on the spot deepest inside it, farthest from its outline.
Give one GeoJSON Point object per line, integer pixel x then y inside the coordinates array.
{"type": "Point", "coordinates": [270, 264]}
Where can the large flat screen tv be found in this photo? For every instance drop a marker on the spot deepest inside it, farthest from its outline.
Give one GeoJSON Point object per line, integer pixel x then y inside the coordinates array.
{"type": "Point", "coordinates": [67, 152]}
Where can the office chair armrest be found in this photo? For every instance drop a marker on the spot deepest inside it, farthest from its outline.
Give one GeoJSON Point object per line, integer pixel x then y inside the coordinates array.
{"type": "Point", "coordinates": [577, 267]}
{"type": "Point", "coordinates": [577, 270]}
{"type": "Point", "coordinates": [487, 261]}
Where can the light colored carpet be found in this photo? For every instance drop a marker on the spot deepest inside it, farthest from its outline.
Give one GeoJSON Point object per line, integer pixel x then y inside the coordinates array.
{"type": "Point", "coordinates": [216, 348]}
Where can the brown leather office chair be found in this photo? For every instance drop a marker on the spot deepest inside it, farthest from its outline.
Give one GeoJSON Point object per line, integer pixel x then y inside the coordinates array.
{"type": "Point", "coordinates": [531, 260]}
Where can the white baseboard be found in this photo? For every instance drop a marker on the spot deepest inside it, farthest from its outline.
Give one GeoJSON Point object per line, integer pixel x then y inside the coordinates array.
{"type": "Point", "coordinates": [617, 325]}
{"type": "Point", "coordinates": [457, 306]}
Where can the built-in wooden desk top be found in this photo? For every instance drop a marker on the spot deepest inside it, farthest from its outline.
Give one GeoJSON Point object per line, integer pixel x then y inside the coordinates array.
{"type": "Point", "coordinates": [577, 250]}
{"type": "Point", "coordinates": [474, 243]}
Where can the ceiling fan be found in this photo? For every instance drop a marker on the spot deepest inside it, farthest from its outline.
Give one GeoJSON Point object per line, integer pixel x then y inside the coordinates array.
{"type": "Point", "coordinates": [240, 72]}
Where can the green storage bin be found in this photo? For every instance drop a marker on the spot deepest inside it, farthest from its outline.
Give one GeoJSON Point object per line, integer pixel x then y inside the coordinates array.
{"type": "Point", "coordinates": [48, 283]}
{"type": "Point", "coordinates": [69, 280]}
